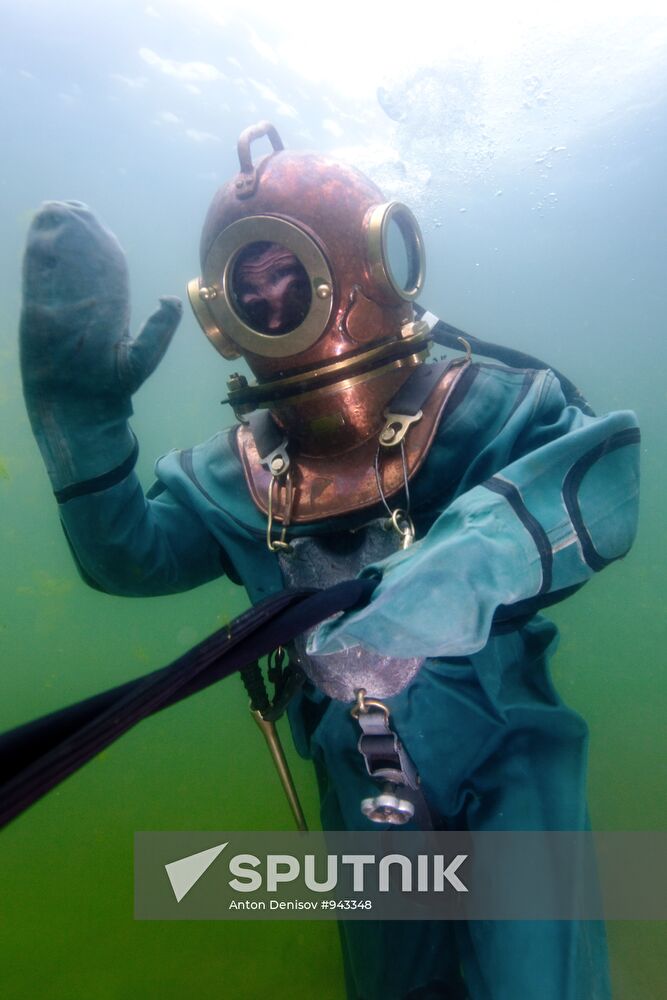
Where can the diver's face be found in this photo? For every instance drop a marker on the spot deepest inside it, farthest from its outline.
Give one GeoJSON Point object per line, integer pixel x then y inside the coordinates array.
{"type": "Point", "coordinates": [272, 290]}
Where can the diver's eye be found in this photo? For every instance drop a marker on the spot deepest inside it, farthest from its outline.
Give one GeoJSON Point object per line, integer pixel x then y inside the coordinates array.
{"type": "Point", "coordinates": [297, 301]}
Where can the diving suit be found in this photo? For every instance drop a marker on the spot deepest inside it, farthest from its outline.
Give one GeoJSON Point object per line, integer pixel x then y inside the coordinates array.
{"type": "Point", "coordinates": [475, 494]}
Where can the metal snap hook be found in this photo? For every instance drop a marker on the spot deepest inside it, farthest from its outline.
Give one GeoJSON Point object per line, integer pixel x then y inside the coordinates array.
{"type": "Point", "coordinates": [401, 522]}
{"type": "Point", "coordinates": [279, 544]}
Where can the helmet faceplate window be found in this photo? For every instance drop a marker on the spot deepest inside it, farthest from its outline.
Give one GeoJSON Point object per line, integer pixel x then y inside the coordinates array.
{"type": "Point", "coordinates": [269, 287]}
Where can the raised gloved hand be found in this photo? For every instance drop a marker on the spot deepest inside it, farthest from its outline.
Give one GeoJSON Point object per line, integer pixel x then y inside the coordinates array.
{"type": "Point", "coordinates": [78, 362]}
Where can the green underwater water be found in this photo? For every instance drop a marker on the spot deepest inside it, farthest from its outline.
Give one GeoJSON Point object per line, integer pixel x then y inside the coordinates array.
{"type": "Point", "coordinates": [581, 285]}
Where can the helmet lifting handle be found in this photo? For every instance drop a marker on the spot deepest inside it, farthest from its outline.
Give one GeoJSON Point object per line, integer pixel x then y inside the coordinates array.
{"type": "Point", "coordinates": [249, 135]}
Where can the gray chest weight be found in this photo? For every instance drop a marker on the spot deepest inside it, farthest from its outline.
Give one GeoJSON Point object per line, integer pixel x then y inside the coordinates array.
{"type": "Point", "coordinates": [320, 562]}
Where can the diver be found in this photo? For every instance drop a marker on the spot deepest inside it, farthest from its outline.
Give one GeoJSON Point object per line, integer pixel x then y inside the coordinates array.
{"type": "Point", "coordinates": [474, 493]}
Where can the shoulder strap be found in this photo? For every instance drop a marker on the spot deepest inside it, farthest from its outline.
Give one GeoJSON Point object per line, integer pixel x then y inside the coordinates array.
{"type": "Point", "coordinates": [448, 336]}
{"type": "Point", "coordinates": [417, 388]}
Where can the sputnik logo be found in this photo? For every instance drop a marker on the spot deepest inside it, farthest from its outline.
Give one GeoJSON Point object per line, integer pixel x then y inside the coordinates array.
{"type": "Point", "coordinates": [431, 872]}
{"type": "Point", "coordinates": [185, 872]}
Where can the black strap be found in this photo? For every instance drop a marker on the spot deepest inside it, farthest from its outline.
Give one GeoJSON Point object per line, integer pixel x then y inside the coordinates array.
{"type": "Point", "coordinates": [448, 336]}
{"type": "Point", "coordinates": [414, 392]}
{"type": "Point", "coordinates": [572, 484]}
{"type": "Point", "coordinates": [99, 483]}
{"type": "Point", "coordinates": [266, 433]}
{"type": "Point", "coordinates": [540, 538]}
{"type": "Point", "coordinates": [37, 756]}
{"type": "Point", "coordinates": [388, 762]}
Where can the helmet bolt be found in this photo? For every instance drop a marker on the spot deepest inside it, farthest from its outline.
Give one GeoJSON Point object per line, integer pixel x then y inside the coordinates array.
{"type": "Point", "coordinates": [236, 382]}
{"type": "Point", "coordinates": [388, 434]}
{"type": "Point", "coordinates": [323, 290]}
{"type": "Point", "coordinates": [277, 464]}
{"type": "Point", "coordinates": [206, 294]}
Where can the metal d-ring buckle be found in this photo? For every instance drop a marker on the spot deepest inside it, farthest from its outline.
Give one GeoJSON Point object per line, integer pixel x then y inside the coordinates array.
{"type": "Point", "coordinates": [363, 705]}
{"type": "Point", "coordinates": [388, 806]}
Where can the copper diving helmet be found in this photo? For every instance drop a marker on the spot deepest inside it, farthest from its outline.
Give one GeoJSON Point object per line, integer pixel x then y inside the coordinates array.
{"type": "Point", "coordinates": [309, 274]}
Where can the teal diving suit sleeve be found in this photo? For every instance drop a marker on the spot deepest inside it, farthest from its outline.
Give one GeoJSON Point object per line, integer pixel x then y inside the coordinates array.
{"type": "Point", "coordinates": [561, 510]}
{"type": "Point", "coordinates": [129, 545]}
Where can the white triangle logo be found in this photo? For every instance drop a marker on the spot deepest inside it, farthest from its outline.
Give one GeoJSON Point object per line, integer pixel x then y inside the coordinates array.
{"type": "Point", "coordinates": [186, 871]}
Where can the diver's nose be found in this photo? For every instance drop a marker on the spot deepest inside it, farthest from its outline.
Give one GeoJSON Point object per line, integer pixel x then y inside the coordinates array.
{"type": "Point", "coordinates": [275, 309]}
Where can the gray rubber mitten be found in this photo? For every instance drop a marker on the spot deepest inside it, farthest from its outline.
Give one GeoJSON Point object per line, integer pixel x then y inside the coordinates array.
{"type": "Point", "coordinates": [78, 362]}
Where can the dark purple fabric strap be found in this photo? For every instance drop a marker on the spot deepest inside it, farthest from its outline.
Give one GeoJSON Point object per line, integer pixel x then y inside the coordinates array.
{"type": "Point", "coordinates": [39, 755]}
